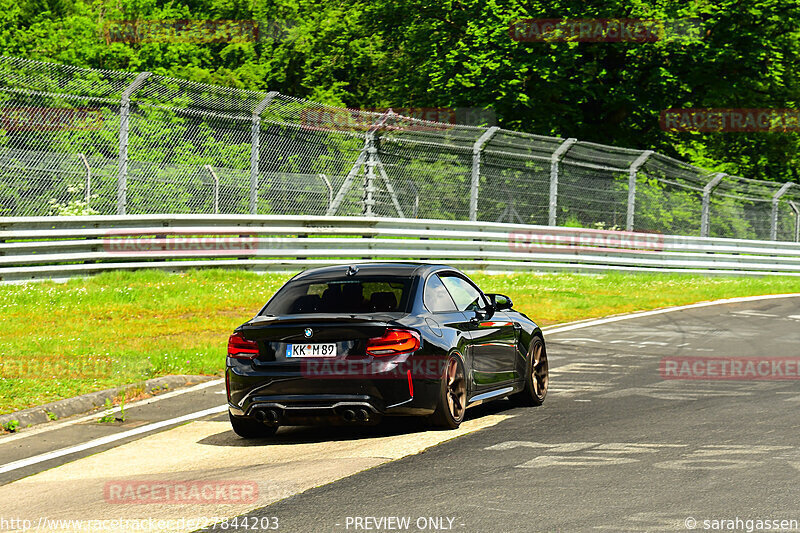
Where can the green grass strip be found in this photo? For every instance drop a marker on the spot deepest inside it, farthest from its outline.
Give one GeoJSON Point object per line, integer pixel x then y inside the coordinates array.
{"type": "Point", "coordinates": [63, 339]}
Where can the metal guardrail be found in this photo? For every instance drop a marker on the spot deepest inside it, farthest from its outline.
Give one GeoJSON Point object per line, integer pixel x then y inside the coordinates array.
{"type": "Point", "coordinates": [38, 248]}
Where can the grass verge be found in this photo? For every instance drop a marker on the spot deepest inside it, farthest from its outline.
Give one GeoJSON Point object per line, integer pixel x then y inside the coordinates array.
{"type": "Point", "coordinates": [61, 340]}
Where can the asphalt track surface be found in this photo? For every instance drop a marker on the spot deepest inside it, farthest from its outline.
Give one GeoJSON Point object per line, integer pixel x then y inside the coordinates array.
{"type": "Point", "coordinates": [616, 447]}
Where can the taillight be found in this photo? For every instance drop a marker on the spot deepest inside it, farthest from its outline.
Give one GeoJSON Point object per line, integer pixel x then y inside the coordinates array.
{"type": "Point", "coordinates": [394, 342]}
{"type": "Point", "coordinates": [241, 348]}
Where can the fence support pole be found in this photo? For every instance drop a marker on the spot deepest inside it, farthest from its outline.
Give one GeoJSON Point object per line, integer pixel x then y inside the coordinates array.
{"type": "Point", "coordinates": [477, 148]}
{"type": "Point", "coordinates": [216, 187]}
{"type": "Point", "coordinates": [384, 176]}
{"type": "Point", "coordinates": [122, 164]}
{"type": "Point", "coordinates": [707, 190]}
{"type": "Point", "coordinates": [796, 220]}
{"type": "Point", "coordinates": [369, 185]}
{"type": "Point", "coordinates": [776, 198]}
{"type": "Point", "coordinates": [348, 182]}
{"type": "Point", "coordinates": [325, 179]}
{"type": "Point", "coordinates": [633, 172]}
{"type": "Point", "coordinates": [255, 148]}
{"type": "Point", "coordinates": [88, 178]}
{"type": "Point", "coordinates": [357, 166]}
{"type": "Point", "coordinates": [555, 159]}
{"type": "Point", "coordinates": [416, 198]}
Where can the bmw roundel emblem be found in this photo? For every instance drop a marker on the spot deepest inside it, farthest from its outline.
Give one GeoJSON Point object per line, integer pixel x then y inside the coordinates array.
{"type": "Point", "coordinates": [308, 332]}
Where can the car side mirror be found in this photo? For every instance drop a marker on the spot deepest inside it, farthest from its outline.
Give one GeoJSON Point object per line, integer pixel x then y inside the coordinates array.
{"type": "Point", "coordinates": [500, 301]}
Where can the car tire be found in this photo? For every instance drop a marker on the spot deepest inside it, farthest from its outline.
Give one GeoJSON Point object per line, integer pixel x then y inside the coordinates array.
{"type": "Point", "coordinates": [537, 377]}
{"type": "Point", "coordinates": [251, 429]}
{"type": "Point", "coordinates": [452, 403]}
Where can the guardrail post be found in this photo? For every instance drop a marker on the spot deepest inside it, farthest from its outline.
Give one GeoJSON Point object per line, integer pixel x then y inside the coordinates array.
{"type": "Point", "coordinates": [796, 220]}
{"type": "Point", "coordinates": [255, 148]}
{"type": "Point", "coordinates": [216, 187]}
{"type": "Point", "coordinates": [555, 159]}
{"type": "Point", "coordinates": [776, 198]}
{"type": "Point", "coordinates": [477, 148]}
{"type": "Point", "coordinates": [633, 172]}
{"type": "Point", "coordinates": [707, 190]}
{"type": "Point", "coordinates": [122, 164]}
{"type": "Point", "coordinates": [88, 178]}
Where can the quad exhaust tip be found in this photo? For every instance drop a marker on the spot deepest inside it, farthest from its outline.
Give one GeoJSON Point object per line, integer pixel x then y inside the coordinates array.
{"type": "Point", "coordinates": [272, 417]}
{"type": "Point", "coordinates": [269, 417]}
{"type": "Point", "coordinates": [356, 415]}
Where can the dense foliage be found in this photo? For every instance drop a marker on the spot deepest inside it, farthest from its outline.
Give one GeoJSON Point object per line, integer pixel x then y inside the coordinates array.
{"type": "Point", "coordinates": [400, 53]}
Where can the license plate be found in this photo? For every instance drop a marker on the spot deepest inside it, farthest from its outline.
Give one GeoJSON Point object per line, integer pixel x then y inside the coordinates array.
{"type": "Point", "coordinates": [310, 350]}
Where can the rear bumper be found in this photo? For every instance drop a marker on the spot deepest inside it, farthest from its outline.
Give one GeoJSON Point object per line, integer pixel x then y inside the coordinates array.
{"type": "Point", "coordinates": [300, 399]}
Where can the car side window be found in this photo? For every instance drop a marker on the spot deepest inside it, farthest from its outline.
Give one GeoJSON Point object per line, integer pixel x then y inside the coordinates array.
{"type": "Point", "coordinates": [466, 296]}
{"type": "Point", "coordinates": [436, 297]}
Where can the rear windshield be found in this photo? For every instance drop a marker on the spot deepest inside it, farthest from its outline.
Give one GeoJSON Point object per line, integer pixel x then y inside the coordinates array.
{"type": "Point", "coordinates": [349, 296]}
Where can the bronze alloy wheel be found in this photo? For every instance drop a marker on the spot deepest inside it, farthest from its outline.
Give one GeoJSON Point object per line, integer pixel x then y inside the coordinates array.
{"type": "Point", "coordinates": [452, 402]}
{"type": "Point", "coordinates": [540, 377]}
{"type": "Point", "coordinates": [456, 389]}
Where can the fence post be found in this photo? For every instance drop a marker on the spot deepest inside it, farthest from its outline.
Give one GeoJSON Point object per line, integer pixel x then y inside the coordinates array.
{"type": "Point", "coordinates": [477, 148]}
{"type": "Point", "coordinates": [348, 182]}
{"type": "Point", "coordinates": [416, 198]}
{"type": "Point", "coordinates": [324, 178]}
{"type": "Point", "coordinates": [375, 163]}
{"type": "Point", "coordinates": [776, 198]}
{"type": "Point", "coordinates": [796, 220]}
{"type": "Point", "coordinates": [555, 159]}
{"type": "Point", "coordinates": [633, 172]}
{"type": "Point", "coordinates": [707, 190]}
{"type": "Point", "coordinates": [216, 187]}
{"type": "Point", "coordinates": [88, 178]}
{"type": "Point", "coordinates": [122, 164]}
{"type": "Point", "coordinates": [369, 185]}
{"type": "Point", "coordinates": [255, 148]}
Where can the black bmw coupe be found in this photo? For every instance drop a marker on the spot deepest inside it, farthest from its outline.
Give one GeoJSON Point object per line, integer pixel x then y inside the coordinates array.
{"type": "Point", "coordinates": [350, 344]}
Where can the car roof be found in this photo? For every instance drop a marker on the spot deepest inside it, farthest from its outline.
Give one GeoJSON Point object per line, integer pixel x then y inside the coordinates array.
{"type": "Point", "coordinates": [400, 269]}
